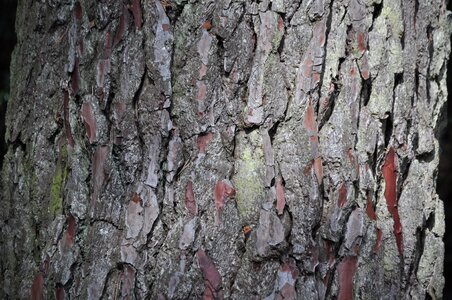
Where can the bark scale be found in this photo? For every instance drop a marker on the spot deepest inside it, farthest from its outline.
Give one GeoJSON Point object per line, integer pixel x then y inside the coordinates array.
{"type": "Point", "coordinates": [225, 149]}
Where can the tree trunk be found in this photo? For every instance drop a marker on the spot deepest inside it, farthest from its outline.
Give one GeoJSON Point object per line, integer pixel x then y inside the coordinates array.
{"type": "Point", "coordinates": [225, 149]}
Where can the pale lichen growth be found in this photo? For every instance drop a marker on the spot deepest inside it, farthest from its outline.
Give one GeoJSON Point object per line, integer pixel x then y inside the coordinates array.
{"type": "Point", "coordinates": [249, 178]}
{"type": "Point", "coordinates": [393, 14]}
{"type": "Point", "coordinates": [58, 181]}
{"type": "Point", "coordinates": [56, 198]}
{"type": "Point", "coordinates": [395, 56]}
{"type": "Point", "coordinates": [377, 39]}
{"type": "Point", "coordinates": [380, 101]}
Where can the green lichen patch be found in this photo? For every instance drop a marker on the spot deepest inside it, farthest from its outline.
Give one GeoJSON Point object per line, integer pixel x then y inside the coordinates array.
{"type": "Point", "coordinates": [395, 56]}
{"type": "Point", "coordinates": [380, 102]}
{"type": "Point", "coordinates": [248, 180]}
{"type": "Point", "coordinates": [377, 38]}
{"type": "Point", "coordinates": [276, 41]}
{"type": "Point", "coordinates": [58, 181]}
{"type": "Point", "coordinates": [393, 14]}
{"type": "Point", "coordinates": [56, 190]}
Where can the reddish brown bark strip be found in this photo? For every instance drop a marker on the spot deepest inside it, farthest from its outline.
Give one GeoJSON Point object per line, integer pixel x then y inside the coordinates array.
{"type": "Point", "coordinates": [222, 191]}
{"type": "Point", "coordinates": [89, 121]}
{"type": "Point", "coordinates": [390, 177]}
{"type": "Point", "coordinates": [136, 12]}
{"type": "Point", "coordinates": [342, 196]}
{"type": "Point", "coordinates": [346, 270]}
{"type": "Point", "coordinates": [280, 197]}
{"type": "Point", "coordinates": [212, 278]}
{"type": "Point", "coordinates": [37, 287]}
{"type": "Point", "coordinates": [59, 293]}
{"type": "Point", "coordinates": [121, 27]}
{"type": "Point", "coordinates": [67, 124]}
{"type": "Point", "coordinates": [190, 203]}
{"type": "Point", "coordinates": [203, 140]}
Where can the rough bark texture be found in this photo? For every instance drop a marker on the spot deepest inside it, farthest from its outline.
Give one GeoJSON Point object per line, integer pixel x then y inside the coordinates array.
{"type": "Point", "coordinates": [225, 149]}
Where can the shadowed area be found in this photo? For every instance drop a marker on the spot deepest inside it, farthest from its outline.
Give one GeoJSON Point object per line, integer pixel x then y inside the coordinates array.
{"type": "Point", "coordinates": [445, 181]}
{"type": "Point", "coordinates": [7, 40]}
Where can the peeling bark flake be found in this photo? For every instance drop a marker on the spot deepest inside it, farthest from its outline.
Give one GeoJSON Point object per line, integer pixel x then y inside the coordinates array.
{"type": "Point", "coordinates": [353, 160]}
{"type": "Point", "coordinates": [190, 203]}
{"type": "Point", "coordinates": [45, 267]}
{"type": "Point", "coordinates": [98, 171]}
{"type": "Point", "coordinates": [102, 69]}
{"type": "Point", "coordinates": [59, 293]}
{"type": "Point", "coordinates": [310, 124]}
{"type": "Point", "coordinates": [378, 241]}
{"type": "Point", "coordinates": [136, 198]}
{"type": "Point", "coordinates": [280, 197]}
{"type": "Point", "coordinates": [309, 121]}
{"type": "Point", "coordinates": [202, 91]}
{"type": "Point", "coordinates": [204, 47]}
{"type": "Point", "coordinates": [207, 25]}
{"type": "Point", "coordinates": [222, 191]}
{"type": "Point", "coordinates": [203, 140]}
{"type": "Point", "coordinates": [78, 13]}
{"type": "Point", "coordinates": [315, 254]}
{"type": "Point", "coordinates": [342, 196]}
{"type": "Point", "coordinates": [247, 232]}
{"type": "Point", "coordinates": [89, 121]}
{"type": "Point", "coordinates": [123, 21]}
{"type": "Point", "coordinates": [373, 216]}
{"type": "Point", "coordinates": [202, 71]}
{"type": "Point", "coordinates": [37, 287]}
{"type": "Point", "coordinates": [75, 77]}
{"type": "Point", "coordinates": [362, 41]}
{"type": "Point", "coordinates": [212, 278]}
{"type": "Point", "coordinates": [108, 46]}
{"type": "Point", "coordinates": [135, 8]}
{"type": "Point", "coordinates": [288, 274]}
{"type": "Point", "coordinates": [330, 259]}
{"type": "Point", "coordinates": [128, 282]}
{"type": "Point", "coordinates": [318, 169]}
{"type": "Point", "coordinates": [364, 67]}
{"type": "Point", "coordinates": [370, 210]}
{"type": "Point", "coordinates": [71, 230]}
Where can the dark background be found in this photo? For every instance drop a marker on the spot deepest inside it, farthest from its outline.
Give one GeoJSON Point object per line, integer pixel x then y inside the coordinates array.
{"type": "Point", "coordinates": [7, 42]}
{"type": "Point", "coordinates": [444, 187]}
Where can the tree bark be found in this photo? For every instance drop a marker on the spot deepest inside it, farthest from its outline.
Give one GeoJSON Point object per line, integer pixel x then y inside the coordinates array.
{"type": "Point", "coordinates": [225, 149]}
